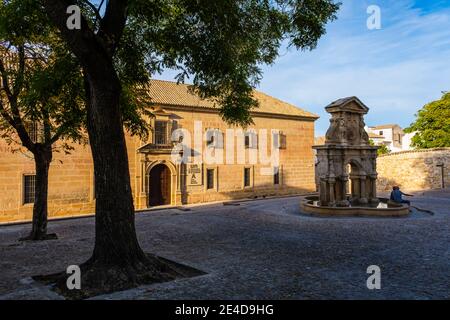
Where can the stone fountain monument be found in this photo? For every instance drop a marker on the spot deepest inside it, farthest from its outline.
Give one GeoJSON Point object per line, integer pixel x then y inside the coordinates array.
{"type": "Point", "coordinates": [347, 157]}
{"type": "Point", "coordinates": [346, 166]}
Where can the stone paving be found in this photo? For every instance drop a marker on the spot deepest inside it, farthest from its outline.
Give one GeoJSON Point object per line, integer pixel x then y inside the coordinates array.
{"type": "Point", "coordinates": [262, 249]}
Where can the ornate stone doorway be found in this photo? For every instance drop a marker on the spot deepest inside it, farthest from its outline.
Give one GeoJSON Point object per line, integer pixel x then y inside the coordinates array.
{"type": "Point", "coordinates": [159, 185]}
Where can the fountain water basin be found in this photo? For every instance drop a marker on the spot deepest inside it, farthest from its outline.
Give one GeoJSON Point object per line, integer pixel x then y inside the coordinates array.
{"type": "Point", "coordinates": [384, 208]}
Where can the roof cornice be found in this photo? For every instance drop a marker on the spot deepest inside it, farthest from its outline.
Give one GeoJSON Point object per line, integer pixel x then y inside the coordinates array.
{"type": "Point", "coordinates": [253, 113]}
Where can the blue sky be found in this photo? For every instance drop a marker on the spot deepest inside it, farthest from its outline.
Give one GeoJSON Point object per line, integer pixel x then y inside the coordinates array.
{"type": "Point", "coordinates": [394, 70]}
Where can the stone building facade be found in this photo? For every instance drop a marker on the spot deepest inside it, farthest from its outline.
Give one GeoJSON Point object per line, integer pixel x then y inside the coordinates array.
{"type": "Point", "coordinates": [414, 170]}
{"type": "Point", "coordinates": [158, 178]}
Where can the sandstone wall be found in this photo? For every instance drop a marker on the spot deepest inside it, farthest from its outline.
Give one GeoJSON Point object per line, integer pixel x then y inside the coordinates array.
{"type": "Point", "coordinates": [414, 170]}
{"type": "Point", "coordinates": [71, 181]}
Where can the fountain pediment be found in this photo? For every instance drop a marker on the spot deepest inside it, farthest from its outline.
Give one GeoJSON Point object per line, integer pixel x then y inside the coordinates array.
{"type": "Point", "coordinates": [347, 105]}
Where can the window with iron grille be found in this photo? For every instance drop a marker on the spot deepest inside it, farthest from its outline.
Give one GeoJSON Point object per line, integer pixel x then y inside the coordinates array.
{"type": "Point", "coordinates": [276, 176]}
{"type": "Point", "coordinates": [282, 140]}
{"type": "Point", "coordinates": [246, 177]}
{"type": "Point", "coordinates": [214, 138]}
{"type": "Point", "coordinates": [160, 132]}
{"type": "Point", "coordinates": [210, 141]}
{"type": "Point", "coordinates": [251, 140]}
{"type": "Point", "coordinates": [29, 188]}
{"type": "Point", "coordinates": [209, 178]}
{"type": "Point", "coordinates": [279, 140]}
{"type": "Point", "coordinates": [247, 141]}
{"type": "Point", "coordinates": [33, 132]}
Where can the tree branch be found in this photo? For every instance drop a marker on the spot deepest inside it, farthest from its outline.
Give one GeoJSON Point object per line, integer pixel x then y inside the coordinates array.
{"type": "Point", "coordinates": [18, 83]}
{"type": "Point", "coordinates": [82, 42]}
{"type": "Point", "coordinates": [113, 23]}
{"type": "Point", "coordinates": [15, 120]}
{"type": "Point", "coordinates": [5, 80]}
{"type": "Point", "coordinates": [95, 9]}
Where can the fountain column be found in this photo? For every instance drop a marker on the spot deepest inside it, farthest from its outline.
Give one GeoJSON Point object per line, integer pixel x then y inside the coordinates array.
{"type": "Point", "coordinates": [332, 192]}
{"type": "Point", "coordinates": [373, 186]}
{"type": "Point", "coordinates": [355, 187]}
{"type": "Point", "coordinates": [342, 197]}
{"type": "Point", "coordinates": [323, 196]}
{"type": "Point", "coordinates": [363, 196]}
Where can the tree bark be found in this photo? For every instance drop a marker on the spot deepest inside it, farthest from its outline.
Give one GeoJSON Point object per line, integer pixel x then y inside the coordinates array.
{"type": "Point", "coordinates": [42, 158]}
{"type": "Point", "coordinates": [115, 239]}
{"type": "Point", "coordinates": [117, 262]}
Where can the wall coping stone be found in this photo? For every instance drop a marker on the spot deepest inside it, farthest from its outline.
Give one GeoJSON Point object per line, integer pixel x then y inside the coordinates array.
{"type": "Point", "coordinates": [413, 151]}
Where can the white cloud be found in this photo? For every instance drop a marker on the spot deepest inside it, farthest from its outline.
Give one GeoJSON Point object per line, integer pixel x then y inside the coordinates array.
{"type": "Point", "coordinates": [395, 70]}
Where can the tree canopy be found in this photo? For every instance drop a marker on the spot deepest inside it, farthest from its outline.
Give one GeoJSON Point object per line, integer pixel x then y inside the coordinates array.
{"type": "Point", "coordinates": [432, 125]}
{"type": "Point", "coordinates": [221, 44]}
{"type": "Point", "coordinates": [382, 148]}
{"type": "Point", "coordinates": [41, 81]}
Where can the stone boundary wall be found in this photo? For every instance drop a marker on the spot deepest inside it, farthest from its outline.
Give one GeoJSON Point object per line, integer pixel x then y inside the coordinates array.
{"type": "Point", "coordinates": [414, 170]}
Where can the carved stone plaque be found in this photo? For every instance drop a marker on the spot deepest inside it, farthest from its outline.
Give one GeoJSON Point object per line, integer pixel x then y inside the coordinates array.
{"type": "Point", "coordinates": [194, 174]}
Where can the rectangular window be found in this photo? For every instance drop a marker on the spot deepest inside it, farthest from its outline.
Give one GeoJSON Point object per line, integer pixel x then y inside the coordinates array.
{"type": "Point", "coordinates": [276, 176]}
{"type": "Point", "coordinates": [210, 141]}
{"type": "Point", "coordinates": [251, 140]}
{"type": "Point", "coordinates": [29, 188]}
{"type": "Point", "coordinates": [32, 130]}
{"type": "Point", "coordinates": [214, 138]}
{"type": "Point", "coordinates": [279, 140]}
{"type": "Point", "coordinates": [282, 141]}
{"type": "Point", "coordinates": [161, 132]}
{"type": "Point", "coordinates": [209, 179]}
{"type": "Point", "coordinates": [246, 177]}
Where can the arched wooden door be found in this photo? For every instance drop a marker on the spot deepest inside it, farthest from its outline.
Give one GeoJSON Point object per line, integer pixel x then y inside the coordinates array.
{"type": "Point", "coordinates": [159, 186]}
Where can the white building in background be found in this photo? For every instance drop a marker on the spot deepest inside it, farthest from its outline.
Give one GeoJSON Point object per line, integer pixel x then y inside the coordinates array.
{"type": "Point", "coordinates": [390, 135]}
{"type": "Point", "coordinates": [407, 140]}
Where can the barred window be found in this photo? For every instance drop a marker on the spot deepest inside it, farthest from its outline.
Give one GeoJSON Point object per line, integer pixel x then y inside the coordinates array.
{"type": "Point", "coordinates": [210, 141]}
{"type": "Point", "coordinates": [246, 177]}
{"type": "Point", "coordinates": [282, 141]}
{"type": "Point", "coordinates": [161, 132]}
{"type": "Point", "coordinates": [29, 188]}
{"type": "Point", "coordinates": [247, 141]}
{"type": "Point", "coordinates": [276, 176]}
{"type": "Point", "coordinates": [32, 129]}
{"type": "Point", "coordinates": [279, 140]}
{"type": "Point", "coordinates": [251, 140]}
{"type": "Point", "coordinates": [209, 178]}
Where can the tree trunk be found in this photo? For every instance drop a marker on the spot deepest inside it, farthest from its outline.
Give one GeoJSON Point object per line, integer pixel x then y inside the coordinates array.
{"type": "Point", "coordinates": [115, 237]}
{"type": "Point", "coordinates": [118, 262]}
{"type": "Point", "coordinates": [42, 159]}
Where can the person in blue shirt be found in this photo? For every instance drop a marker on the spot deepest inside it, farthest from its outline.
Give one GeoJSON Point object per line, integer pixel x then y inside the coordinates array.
{"type": "Point", "coordinates": [396, 195]}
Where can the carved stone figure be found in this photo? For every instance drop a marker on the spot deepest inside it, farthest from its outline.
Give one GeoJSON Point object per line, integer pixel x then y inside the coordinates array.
{"type": "Point", "coordinates": [342, 130]}
{"type": "Point", "coordinates": [331, 132]}
{"type": "Point", "coordinates": [362, 132]}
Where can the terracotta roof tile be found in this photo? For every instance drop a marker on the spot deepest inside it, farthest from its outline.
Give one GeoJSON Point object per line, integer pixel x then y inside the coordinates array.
{"type": "Point", "coordinates": [171, 93]}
